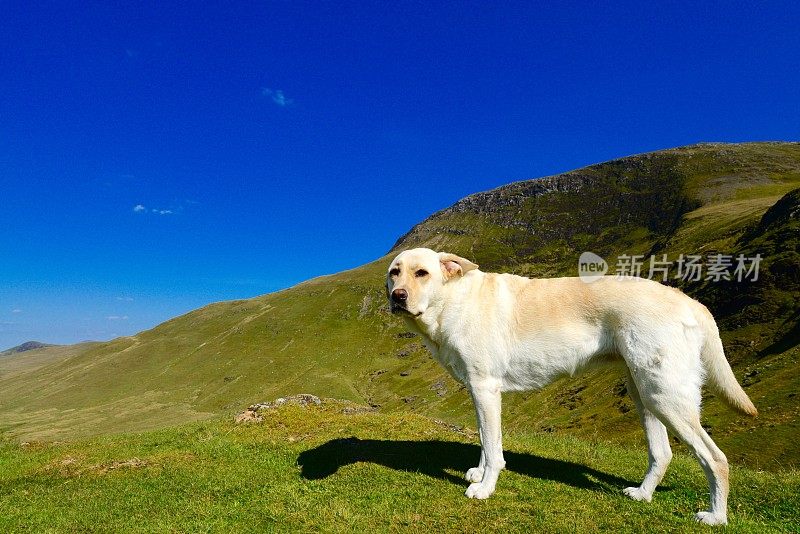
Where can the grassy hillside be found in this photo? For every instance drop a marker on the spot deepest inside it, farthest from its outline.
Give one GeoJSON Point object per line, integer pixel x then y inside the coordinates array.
{"type": "Point", "coordinates": [342, 468]}
{"type": "Point", "coordinates": [333, 336]}
{"type": "Point", "coordinates": [22, 363]}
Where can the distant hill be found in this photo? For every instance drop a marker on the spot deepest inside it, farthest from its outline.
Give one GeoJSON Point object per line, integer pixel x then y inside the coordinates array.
{"type": "Point", "coordinates": [333, 336]}
{"type": "Point", "coordinates": [28, 345]}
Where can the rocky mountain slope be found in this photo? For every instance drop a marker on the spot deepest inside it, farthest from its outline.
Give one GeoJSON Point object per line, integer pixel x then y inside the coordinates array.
{"type": "Point", "coordinates": [333, 336]}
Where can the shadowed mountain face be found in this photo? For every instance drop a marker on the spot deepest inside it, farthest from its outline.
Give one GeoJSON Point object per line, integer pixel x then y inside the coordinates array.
{"type": "Point", "coordinates": [521, 226]}
{"type": "Point", "coordinates": [334, 337]}
{"type": "Point", "coordinates": [769, 304]}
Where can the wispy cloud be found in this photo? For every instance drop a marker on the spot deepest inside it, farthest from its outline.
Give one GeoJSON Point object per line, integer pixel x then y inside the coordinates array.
{"type": "Point", "coordinates": [277, 96]}
{"type": "Point", "coordinates": [125, 299]}
{"type": "Point", "coordinates": [117, 317]}
{"type": "Point", "coordinates": [16, 310]}
{"type": "Point", "coordinates": [140, 208]}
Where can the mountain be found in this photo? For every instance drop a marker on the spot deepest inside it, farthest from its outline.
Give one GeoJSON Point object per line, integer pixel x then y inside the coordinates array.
{"type": "Point", "coordinates": [28, 345]}
{"type": "Point", "coordinates": [333, 336]}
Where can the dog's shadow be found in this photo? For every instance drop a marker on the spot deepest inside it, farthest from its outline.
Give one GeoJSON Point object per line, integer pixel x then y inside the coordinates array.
{"type": "Point", "coordinates": [436, 458]}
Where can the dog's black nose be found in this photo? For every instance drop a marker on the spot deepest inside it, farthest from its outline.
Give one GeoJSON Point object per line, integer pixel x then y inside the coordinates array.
{"type": "Point", "coordinates": [400, 296]}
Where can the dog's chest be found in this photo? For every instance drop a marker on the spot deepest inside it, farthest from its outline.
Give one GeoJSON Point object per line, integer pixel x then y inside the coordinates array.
{"type": "Point", "coordinates": [452, 361]}
{"type": "Point", "coordinates": [447, 357]}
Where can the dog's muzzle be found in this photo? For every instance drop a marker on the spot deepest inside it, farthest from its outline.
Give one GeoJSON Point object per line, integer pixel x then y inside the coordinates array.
{"type": "Point", "coordinates": [398, 301]}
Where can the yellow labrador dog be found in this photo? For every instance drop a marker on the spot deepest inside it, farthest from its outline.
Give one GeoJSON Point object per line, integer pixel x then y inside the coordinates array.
{"type": "Point", "coordinates": [501, 332]}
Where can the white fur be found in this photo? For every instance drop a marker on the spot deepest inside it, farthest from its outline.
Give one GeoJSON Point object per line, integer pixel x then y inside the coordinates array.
{"type": "Point", "coordinates": [500, 332]}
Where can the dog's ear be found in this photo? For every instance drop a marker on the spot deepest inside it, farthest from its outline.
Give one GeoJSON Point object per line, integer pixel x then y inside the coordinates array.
{"type": "Point", "coordinates": [453, 265]}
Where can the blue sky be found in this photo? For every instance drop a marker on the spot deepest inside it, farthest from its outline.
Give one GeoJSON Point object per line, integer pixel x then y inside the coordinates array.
{"type": "Point", "coordinates": [154, 159]}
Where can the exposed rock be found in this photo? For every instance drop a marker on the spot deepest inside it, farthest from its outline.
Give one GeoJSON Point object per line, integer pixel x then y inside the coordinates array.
{"type": "Point", "coordinates": [253, 413]}
{"type": "Point", "coordinates": [406, 351]}
{"type": "Point", "coordinates": [439, 387]}
{"type": "Point", "coordinates": [571, 397]}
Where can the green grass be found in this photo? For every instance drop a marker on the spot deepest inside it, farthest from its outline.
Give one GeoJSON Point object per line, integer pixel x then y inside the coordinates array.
{"type": "Point", "coordinates": [319, 469]}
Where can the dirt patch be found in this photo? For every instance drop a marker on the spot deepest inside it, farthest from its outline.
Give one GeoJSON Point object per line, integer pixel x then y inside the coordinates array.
{"type": "Point", "coordinates": [359, 408]}
{"type": "Point", "coordinates": [132, 463]}
{"type": "Point", "coordinates": [464, 431]}
{"type": "Point", "coordinates": [70, 466]}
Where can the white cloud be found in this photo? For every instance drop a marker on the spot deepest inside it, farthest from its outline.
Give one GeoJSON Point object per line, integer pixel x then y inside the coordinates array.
{"type": "Point", "coordinates": [125, 299]}
{"type": "Point", "coordinates": [139, 208]}
{"type": "Point", "coordinates": [277, 97]}
{"type": "Point", "coordinates": [117, 317]}
{"type": "Point", "coordinates": [16, 310]}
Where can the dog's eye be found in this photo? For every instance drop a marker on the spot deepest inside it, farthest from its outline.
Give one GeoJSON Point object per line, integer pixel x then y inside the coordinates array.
{"type": "Point", "coordinates": [394, 272]}
{"type": "Point", "coordinates": [421, 273]}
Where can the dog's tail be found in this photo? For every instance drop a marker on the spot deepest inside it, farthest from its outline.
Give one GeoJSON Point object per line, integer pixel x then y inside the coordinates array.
{"type": "Point", "coordinates": [718, 370]}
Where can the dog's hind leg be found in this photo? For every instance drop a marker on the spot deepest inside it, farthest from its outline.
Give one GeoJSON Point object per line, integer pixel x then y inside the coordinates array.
{"type": "Point", "coordinates": [678, 407]}
{"type": "Point", "coordinates": [486, 397]}
{"type": "Point", "coordinates": [658, 449]}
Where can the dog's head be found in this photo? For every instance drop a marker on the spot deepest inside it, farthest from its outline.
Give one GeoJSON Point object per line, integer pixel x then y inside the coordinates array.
{"type": "Point", "coordinates": [416, 277]}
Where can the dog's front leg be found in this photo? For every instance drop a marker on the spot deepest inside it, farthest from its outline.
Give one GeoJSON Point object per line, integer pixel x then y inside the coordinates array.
{"type": "Point", "coordinates": [475, 474]}
{"type": "Point", "coordinates": [486, 397]}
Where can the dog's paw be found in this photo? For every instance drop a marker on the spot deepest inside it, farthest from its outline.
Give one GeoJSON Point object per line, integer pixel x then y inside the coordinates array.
{"type": "Point", "coordinates": [478, 491]}
{"type": "Point", "coordinates": [637, 494]}
{"type": "Point", "coordinates": [474, 475]}
{"type": "Point", "coordinates": [710, 518]}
